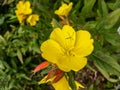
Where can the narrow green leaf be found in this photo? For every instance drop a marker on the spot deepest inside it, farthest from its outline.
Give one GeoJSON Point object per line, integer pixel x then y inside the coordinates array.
{"type": "Point", "coordinates": [104, 72]}
{"type": "Point", "coordinates": [109, 20]}
{"type": "Point", "coordinates": [71, 80]}
{"type": "Point", "coordinates": [22, 75]}
{"type": "Point", "coordinates": [88, 5]}
{"type": "Point", "coordinates": [19, 54]}
{"type": "Point", "coordinates": [116, 4]}
{"type": "Point", "coordinates": [2, 40]}
{"type": "Point", "coordinates": [112, 18]}
{"type": "Point", "coordinates": [103, 7]}
{"type": "Point", "coordinates": [2, 20]}
{"type": "Point", "coordinates": [107, 65]}
{"type": "Point", "coordinates": [14, 65]}
{"type": "Point", "coordinates": [115, 41]}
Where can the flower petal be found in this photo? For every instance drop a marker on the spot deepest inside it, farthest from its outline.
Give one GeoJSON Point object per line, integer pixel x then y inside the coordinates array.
{"type": "Point", "coordinates": [67, 63]}
{"type": "Point", "coordinates": [78, 85]}
{"type": "Point", "coordinates": [51, 50]}
{"type": "Point", "coordinates": [69, 35]}
{"type": "Point", "coordinates": [21, 17]}
{"type": "Point", "coordinates": [27, 9]}
{"type": "Point", "coordinates": [65, 37]}
{"type": "Point", "coordinates": [83, 44]}
{"type": "Point", "coordinates": [58, 36]}
{"type": "Point", "coordinates": [62, 84]}
{"type": "Point", "coordinates": [19, 5]}
{"type": "Point", "coordinates": [32, 19]}
{"type": "Point", "coordinates": [64, 9]}
{"type": "Point", "coordinates": [45, 80]}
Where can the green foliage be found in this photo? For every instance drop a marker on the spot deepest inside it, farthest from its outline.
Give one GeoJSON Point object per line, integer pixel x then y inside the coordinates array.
{"type": "Point", "coordinates": [19, 44]}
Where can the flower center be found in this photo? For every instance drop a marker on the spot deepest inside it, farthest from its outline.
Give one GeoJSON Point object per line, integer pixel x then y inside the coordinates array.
{"type": "Point", "coordinates": [70, 52]}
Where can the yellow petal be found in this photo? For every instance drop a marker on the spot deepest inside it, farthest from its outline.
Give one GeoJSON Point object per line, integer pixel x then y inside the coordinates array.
{"type": "Point", "coordinates": [51, 50]}
{"type": "Point", "coordinates": [20, 17]}
{"type": "Point", "coordinates": [65, 37]}
{"type": "Point", "coordinates": [67, 63]}
{"type": "Point", "coordinates": [32, 19]}
{"type": "Point", "coordinates": [64, 9]}
{"type": "Point", "coordinates": [62, 84]}
{"type": "Point", "coordinates": [45, 80]}
{"type": "Point", "coordinates": [83, 44]}
{"type": "Point", "coordinates": [20, 5]}
{"type": "Point", "coordinates": [27, 9]}
{"type": "Point", "coordinates": [24, 7]}
{"type": "Point", "coordinates": [58, 36]}
{"type": "Point", "coordinates": [69, 35]}
{"type": "Point", "coordinates": [78, 85]}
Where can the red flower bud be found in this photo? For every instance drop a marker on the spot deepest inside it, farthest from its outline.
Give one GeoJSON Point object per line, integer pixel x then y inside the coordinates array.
{"type": "Point", "coordinates": [41, 66]}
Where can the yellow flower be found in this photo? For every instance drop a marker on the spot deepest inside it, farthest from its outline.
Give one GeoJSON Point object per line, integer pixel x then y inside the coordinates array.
{"type": "Point", "coordinates": [68, 49]}
{"type": "Point", "coordinates": [62, 84]}
{"type": "Point", "coordinates": [23, 9]}
{"type": "Point", "coordinates": [64, 9]}
{"type": "Point", "coordinates": [21, 17]}
{"type": "Point", "coordinates": [32, 19]}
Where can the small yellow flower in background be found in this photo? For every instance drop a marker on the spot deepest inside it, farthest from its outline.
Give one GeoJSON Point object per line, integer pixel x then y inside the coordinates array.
{"type": "Point", "coordinates": [23, 9]}
{"type": "Point", "coordinates": [64, 9]}
{"type": "Point", "coordinates": [32, 19]}
{"type": "Point", "coordinates": [21, 17]}
{"type": "Point", "coordinates": [68, 49]}
{"type": "Point", "coordinates": [52, 23]}
{"type": "Point", "coordinates": [62, 84]}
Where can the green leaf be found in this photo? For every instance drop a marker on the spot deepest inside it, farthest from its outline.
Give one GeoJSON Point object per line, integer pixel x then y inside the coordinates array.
{"type": "Point", "coordinates": [107, 65]}
{"type": "Point", "coordinates": [88, 5]}
{"type": "Point", "coordinates": [2, 20]}
{"type": "Point", "coordinates": [19, 54]}
{"type": "Point", "coordinates": [55, 23]}
{"type": "Point", "coordinates": [2, 40]}
{"type": "Point", "coordinates": [7, 2]}
{"type": "Point", "coordinates": [115, 41]}
{"type": "Point", "coordinates": [116, 4]}
{"type": "Point", "coordinates": [109, 20]}
{"type": "Point", "coordinates": [102, 7]}
{"type": "Point", "coordinates": [22, 75]}
{"type": "Point", "coordinates": [71, 80]}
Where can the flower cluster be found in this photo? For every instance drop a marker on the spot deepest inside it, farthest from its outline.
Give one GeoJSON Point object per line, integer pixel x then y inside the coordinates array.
{"type": "Point", "coordinates": [25, 12]}
{"type": "Point", "coordinates": [66, 51]}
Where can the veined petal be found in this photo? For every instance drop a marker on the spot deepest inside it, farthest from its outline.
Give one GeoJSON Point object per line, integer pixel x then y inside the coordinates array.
{"type": "Point", "coordinates": [65, 37]}
{"type": "Point", "coordinates": [69, 35]}
{"type": "Point", "coordinates": [67, 63]}
{"type": "Point", "coordinates": [58, 36]}
{"type": "Point", "coordinates": [51, 50]}
{"type": "Point", "coordinates": [83, 44]}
